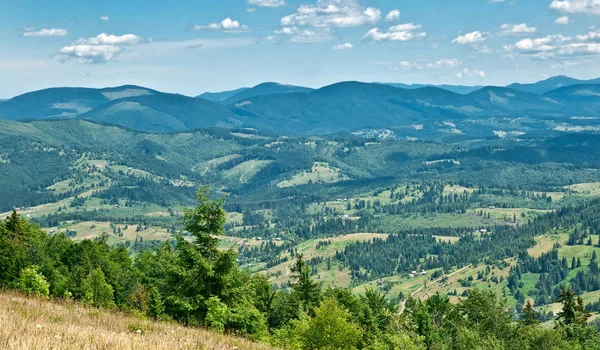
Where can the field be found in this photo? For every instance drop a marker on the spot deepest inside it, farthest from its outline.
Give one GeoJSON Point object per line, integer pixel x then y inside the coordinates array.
{"type": "Point", "coordinates": [28, 323]}
{"type": "Point", "coordinates": [334, 276]}
{"type": "Point", "coordinates": [319, 173]}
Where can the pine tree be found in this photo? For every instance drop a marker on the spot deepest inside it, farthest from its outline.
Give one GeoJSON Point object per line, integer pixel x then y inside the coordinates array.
{"type": "Point", "coordinates": [529, 316]}
{"type": "Point", "coordinates": [307, 290]}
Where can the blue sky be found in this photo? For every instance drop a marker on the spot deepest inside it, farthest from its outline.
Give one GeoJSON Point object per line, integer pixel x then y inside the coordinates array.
{"type": "Point", "coordinates": [191, 47]}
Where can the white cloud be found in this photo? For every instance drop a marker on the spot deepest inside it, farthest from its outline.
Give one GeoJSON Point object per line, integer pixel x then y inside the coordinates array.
{"type": "Point", "coordinates": [564, 20]}
{"type": "Point", "coordinates": [267, 3]}
{"type": "Point", "coordinates": [104, 18]}
{"type": "Point", "coordinates": [90, 53]}
{"type": "Point", "coordinates": [522, 28]}
{"type": "Point", "coordinates": [558, 47]}
{"type": "Point", "coordinates": [470, 38]}
{"type": "Point", "coordinates": [545, 44]}
{"type": "Point", "coordinates": [495, 1]}
{"type": "Point", "coordinates": [401, 32]}
{"type": "Point", "coordinates": [393, 16]}
{"type": "Point", "coordinates": [466, 72]}
{"type": "Point", "coordinates": [332, 13]}
{"type": "Point", "coordinates": [302, 35]}
{"type": "Point", "coordinates": [109, 39]}
{"type": "Point", "coordinates": [576, 6]}
{"type": "Point", "coordinates": [590, 37]}
{"type": "Point", "coordinates": [446, 63]}
{"type": "Point", "coordinates": [30, 32]}
{"type": "Point", "coordinates": [227, 25]}
{"type": "Point", "coordinates": [346, 46]}
{"type": "Point", "coordinates": [99, 49]}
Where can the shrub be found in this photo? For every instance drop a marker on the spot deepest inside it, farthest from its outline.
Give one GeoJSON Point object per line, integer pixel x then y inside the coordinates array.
{"type": "Point", "coordinates": [33, 282]}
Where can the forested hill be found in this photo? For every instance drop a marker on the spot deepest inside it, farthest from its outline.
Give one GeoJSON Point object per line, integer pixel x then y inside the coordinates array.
{"type": "Point", "coordinates": [427, 112]}
{"type": "Point", "coordinates": [195, 283]}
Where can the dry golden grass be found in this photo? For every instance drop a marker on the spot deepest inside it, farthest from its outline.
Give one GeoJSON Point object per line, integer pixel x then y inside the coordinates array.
{"type": "Point", "coordinates": [28, 323]}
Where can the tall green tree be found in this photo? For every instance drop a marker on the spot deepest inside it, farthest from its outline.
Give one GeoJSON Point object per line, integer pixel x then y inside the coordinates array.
{"type": "Point", "coordinates": [529, 316]}
{"type": "Point", "coordinates": [304, 287]}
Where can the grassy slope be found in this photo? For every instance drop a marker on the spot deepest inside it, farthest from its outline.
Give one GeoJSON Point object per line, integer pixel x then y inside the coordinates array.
{"type": "Point", "coordinates": [27, 323]}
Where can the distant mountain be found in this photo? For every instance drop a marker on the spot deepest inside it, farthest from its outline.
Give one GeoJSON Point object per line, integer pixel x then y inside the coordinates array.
{"type": "Point", "coordinates": [512, 100]}
{"type": "Point", "coordinates": [265, 89]}
{"type": "Point", "coordinates": [459, 89]}
{"type": "Point", "coordinates": [541, 87]}
{"type": "Point", "coordinates": [163, 113]}
{"type": "Point", "coordinates": [64, 102]}
{"type": "Point", "coordinates": [426, 112]}
{"type": "Point", "coordinates": [220, 96]}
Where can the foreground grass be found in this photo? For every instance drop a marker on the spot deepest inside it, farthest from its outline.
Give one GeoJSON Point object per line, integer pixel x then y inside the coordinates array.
{"type": "Point", "coordinates": [29, 323]}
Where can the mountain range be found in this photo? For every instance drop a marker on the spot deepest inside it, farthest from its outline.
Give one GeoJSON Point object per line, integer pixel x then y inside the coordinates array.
{"type": "Point", "coordinates": [412, 111]}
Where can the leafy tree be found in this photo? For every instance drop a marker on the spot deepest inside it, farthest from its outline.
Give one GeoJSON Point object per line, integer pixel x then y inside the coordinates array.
{"type": "Point", "coordinates": [32, 282]}
{"type": "Point", "coordinates": [331, 328]}
{"type": "Point", "coordinates": [97, 291]}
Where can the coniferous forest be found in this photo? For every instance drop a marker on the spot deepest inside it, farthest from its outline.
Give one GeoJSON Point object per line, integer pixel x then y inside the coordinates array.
{"type": "Point", "coordinates": [191, 281]}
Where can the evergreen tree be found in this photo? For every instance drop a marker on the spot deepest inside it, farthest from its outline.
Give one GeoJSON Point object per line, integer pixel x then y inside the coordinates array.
{"type": "Point", "coordinates": [304, 288]}
{"type": "Point", "coordinates": [529, 315]}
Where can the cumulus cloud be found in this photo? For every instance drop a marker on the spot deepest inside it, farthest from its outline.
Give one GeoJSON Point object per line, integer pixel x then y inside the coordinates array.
{"type": "Point", "coordinates": [564, 20]}
{"type": "Point", "coordinates": [99, 49]}
{"type": "Point", "coordinates": [522, 28]}
{"type": "Point", "coordinates": [576, 6]}
{"type": "Point", "coordinates": [30, 32]}
{"type": "Point", "coordinates": [227, 25]}
{"type": "Point", "coordinates": [401, 32]}
{"type": "Point", "coordinates": [558, 47]}
{"type": "Point", "coordinates": [267, 3]}
{"type": "Point", "coordinates": [346, 46]}
{"type": "Point", "coordinates": [332, 13]}
{"type": "Point", "coordinates": [590, 37]}
{"type": "Point", "coordinates": [104, 18]}
{"type": "Point", "coordinates": [470, 38]}
{"type": "Point", "coordinates": [393, 16]}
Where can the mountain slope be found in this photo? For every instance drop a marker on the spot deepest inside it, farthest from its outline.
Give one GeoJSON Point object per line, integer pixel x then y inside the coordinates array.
{"type": "Point", "coordinates": [265, 89]}
{"type": "Point", "coordinates": [163, 113]}
{"type": "Point", "coordinates": [513, 100]}
{"type": "Point", "coordinates": [459, 89]}
{"type": "Point", "coordinates": [64, 102]}
{"type": "Point", "coordinates": [549, 84]}
{"type": "Point", "coordinates": [220, 96]}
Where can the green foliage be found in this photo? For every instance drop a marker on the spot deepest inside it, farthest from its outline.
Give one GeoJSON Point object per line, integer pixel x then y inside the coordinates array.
{"type": "Point", "coordinates": [97, 291]}
{"type": "Point", "coordinates": [32, 282]}
{"type": "Point", "coordinates": [307, 291]}
{"type": "Point", "coordinates": [216, 316]}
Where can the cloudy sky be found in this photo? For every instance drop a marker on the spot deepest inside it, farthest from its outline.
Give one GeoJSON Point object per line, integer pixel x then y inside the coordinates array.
{"type": "Point", "coordinates": [191, 47]}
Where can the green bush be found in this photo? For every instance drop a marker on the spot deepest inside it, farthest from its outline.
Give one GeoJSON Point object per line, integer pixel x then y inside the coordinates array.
{"type": "Point", "coordinates": [33, 282]}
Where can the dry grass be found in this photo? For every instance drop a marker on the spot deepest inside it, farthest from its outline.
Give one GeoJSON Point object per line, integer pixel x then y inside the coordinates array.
{"type": "Point", "coordinates": [28, 323]}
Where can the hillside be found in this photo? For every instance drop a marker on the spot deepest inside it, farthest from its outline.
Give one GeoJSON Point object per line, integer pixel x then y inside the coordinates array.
{"type": "Point", "coordinates": [414, 112]}
{"type": "Point", "coordinates": [220, 96]}
{"type": "Point", "coordinates": [163, 113]}
{"type": "Point", "coordinates": [31, 323]}
{"type": "Point", "coordinates": [263, 90]}
{"type": "Point", "coordinates": [553, 83]}
{"type": "Point", "coordinates": [64, 102]}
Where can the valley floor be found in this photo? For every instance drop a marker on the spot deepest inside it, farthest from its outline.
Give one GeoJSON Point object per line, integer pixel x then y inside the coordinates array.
{"type": "Point", "coordinates": [28, 323]}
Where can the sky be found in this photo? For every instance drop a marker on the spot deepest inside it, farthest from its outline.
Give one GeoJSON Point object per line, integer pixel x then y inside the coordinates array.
{"type": "Point", "coordinates": [191, 47]}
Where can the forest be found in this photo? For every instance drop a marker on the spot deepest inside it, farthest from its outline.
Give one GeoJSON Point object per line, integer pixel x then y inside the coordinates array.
{"type": "Point", "coordinates": [193, 282]}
